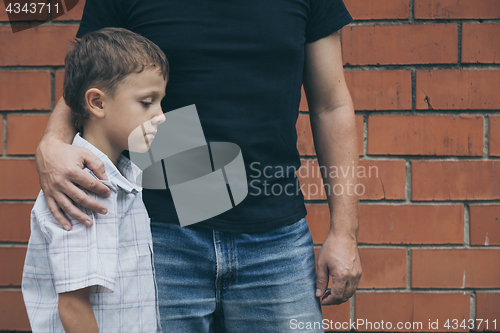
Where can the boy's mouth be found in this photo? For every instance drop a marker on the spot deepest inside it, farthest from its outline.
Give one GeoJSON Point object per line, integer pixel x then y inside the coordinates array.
{"type": "Point", "coordinates": [148, 136]}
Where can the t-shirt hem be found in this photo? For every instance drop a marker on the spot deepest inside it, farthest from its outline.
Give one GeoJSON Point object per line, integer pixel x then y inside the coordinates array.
{"type": "Point", "coordinates": [234, 226]}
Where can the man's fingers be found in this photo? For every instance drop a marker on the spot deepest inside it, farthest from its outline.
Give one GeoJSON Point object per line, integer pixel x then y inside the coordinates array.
{"type": "Point", "coordinates": [96, 165]}
{"type": "Point", "coordinates": [57, 213]}
{"type": "Point", "coordinates": [81, 198]}
{"type": "Point", "coordinates": [350, 288]}
{"type": "Point", "coordinates": [336, 292]}
{"type": "Point", "coordinates": [321, 279]}
{"type": "Point", "coordinates": [69, 208]}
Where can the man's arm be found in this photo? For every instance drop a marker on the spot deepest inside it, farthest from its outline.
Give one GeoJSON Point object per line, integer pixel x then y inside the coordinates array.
{"type": "Point", "coordinates": [335, 139]}
{"type": "Point", "coordinates": [76, 313]}
{"type": "Point", "coordinates": [60, 166]}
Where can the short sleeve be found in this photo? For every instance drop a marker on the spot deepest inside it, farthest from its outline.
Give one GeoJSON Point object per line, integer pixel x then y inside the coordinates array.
{"type": "Point", "coordinates": [98, 14]}
{"type": "Point", "coordinates": [84, 256]}
{"type": "Point", "coordinates": [325, 17]}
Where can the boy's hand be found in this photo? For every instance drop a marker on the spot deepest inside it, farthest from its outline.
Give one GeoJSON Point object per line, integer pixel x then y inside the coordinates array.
{"type": "Point", "coordinates": [60, 167]}
{"type": "Point", "coordinates": [76, 313]}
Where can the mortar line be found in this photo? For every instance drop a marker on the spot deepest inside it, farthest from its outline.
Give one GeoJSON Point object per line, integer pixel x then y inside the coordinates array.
{"type": "Point", "coordinates": [411, 11]}
{"type": "Point", "coordinates": [4, 136]}
{"type": "Point", "coordinates": [466, 226]}
{"type": "Point", "coordinates": [459, 43]}
{"type": "Point", "coordinates": [486, 137]}
{"type": "Point", "coordinates": [473, 307]}
{"type": "Point", "coordinates": [365, 135]}
{"type": "Point", "coordinates": [408, 269]}
{"type": "Point", "coordinates": [52, 88]}
{"type": "Point", "coordinates": [352, 307]}
{"type": "Point", "coordinates": [408, 182]}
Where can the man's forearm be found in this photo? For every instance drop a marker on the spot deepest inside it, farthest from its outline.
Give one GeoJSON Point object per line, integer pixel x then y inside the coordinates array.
{"type": "Point", "coordinates": [60, 123]}
{"type": "Point", "coordinates": [335, 140]}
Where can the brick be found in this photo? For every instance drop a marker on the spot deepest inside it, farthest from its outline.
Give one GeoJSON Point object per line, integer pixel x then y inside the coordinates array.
{"type": "Point", "coordinates": [455, 180]}
{"type": "Point", "coordinates": [388, 184]}
{"type": "Point", "coordinates": [58, 85]}
{"type": "Point", "coordinates": [25, 90]}
{"type": "Point", "coordinates": [375, 90]}
{"type": "Point", "coordinates": [455, 89]}
{"type": "Point", "coordinates": [305, 143]}
{"type": "Point", "coordinates": [383, 268]}
{"type": "Point", "coordinates": [457, 9]}
{"type": "Point", "coordinates": [336, 315]}
{"type": "Point", "coordinates": [380, 90]}
{"type": "Point", "coordinates": [425, 135]}
{"type": "Point", "coordinates": [494, 136]}
{"type": "Point", "coordinates": [488, 308]}
{"type": "Point", "coordinates": [15, 222]}
{"type": "Point", "coordinates": [484, 224]}
{"type": "Point", "coordinates": [380, 10]}
{"type": "Point", "coordinates": [318, 220]}
{"type": "Point", "coordinates": [39, 15]}
{"type": "Point", "coordinates": [396, 224]}
{"type": "Point", "coordinates": [411, 224]}
{"type": "Point", "coordinates": [477, 46]}
{"type": "Point", "coordinates": [455, 268]}
{"type": "Point", "coordinates": [13, 314]}
{"type": "Point", "coordinates": [13, 259]}
{"type": "Point", "coordinates": [50, 42]}
{"type": "Point", "coordinates": [18, 143]}
{"type": "Point", "coordinates": [412, 308]}
{"type": "Point", "coordinates": [303, 101]}
{"type": "Point", "coordinates": [18, 179]}
{"type": "Point", "coordinates": [378, 179]}
{"type": "Point", "coordinates": [360, 123]}
{"type": "Point", "coordinates": [74, 11]}
{"type": "Point", "coordinates": [400, 44]}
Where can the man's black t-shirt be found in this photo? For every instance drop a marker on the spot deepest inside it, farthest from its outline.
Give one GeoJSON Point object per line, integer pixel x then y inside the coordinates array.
{"type": "Point", "coordinates": [241, 63]}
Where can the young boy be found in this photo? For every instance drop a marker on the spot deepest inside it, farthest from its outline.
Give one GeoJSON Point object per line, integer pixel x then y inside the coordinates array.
{"type": "Point", "coordinates": [101, 278]}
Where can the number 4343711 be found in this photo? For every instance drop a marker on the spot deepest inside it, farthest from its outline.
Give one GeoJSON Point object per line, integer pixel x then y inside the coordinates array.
{"type": "Point", "coordinates": [454, 324]}
{"type": "Point", "coordinates": [32, 8]}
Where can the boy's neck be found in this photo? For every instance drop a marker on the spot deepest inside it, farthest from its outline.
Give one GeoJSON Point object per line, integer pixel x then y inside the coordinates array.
{"type": "Point", "coordinates": [98, 140]}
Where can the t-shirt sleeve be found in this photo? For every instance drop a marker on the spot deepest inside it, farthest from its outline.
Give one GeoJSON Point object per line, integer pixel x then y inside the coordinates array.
{"type": "Point", "coordinates": [98, 14]}
{"type": "Point", "coordinates": [325, 17]}
{"type": "Point", "coordinates": [84, 256]}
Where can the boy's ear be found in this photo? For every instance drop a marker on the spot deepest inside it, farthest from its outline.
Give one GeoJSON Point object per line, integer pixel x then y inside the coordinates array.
{"type": "Point", "coordinates": [94, 98]}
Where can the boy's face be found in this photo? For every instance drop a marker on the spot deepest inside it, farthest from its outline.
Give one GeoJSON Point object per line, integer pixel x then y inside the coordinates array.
{"type": "Point", "coordinates": [133, 114]}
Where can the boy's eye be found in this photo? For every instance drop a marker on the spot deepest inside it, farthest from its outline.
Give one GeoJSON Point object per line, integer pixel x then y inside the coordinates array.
{"type": "Point", "coordinates": [146, 103]}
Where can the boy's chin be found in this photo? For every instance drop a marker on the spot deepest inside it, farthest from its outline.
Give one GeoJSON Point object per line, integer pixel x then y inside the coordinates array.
{"type": "Point", "coordinates": [139, 148]}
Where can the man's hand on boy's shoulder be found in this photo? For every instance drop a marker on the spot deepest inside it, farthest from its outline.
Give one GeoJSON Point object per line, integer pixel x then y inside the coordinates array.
{"type": "Point", "coordinates": [60, 167]}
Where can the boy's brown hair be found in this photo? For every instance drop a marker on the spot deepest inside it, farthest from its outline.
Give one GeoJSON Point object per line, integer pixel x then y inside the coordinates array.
{"type": "Point", "coordinates": [102, 59]}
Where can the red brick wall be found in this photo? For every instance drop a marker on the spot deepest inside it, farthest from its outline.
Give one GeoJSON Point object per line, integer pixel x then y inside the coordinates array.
{"type": "Point", "coordinates": [424, 76]}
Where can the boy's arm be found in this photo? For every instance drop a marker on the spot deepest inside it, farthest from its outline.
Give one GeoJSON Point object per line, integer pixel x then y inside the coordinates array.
{"type": "Point", "coordinates": [76, 313]}
{"type": "Point", "coordinates": [60, 165]}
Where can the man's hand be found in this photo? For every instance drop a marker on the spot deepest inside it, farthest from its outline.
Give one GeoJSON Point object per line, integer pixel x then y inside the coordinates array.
{"type": "Point", "coordinates": [338, 257]}
{"type": "Point", "coordinates": [60, 167]}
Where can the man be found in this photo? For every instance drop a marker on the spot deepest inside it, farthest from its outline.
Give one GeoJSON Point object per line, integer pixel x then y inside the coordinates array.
{"type": "Point", "coordinates": [242, 64]}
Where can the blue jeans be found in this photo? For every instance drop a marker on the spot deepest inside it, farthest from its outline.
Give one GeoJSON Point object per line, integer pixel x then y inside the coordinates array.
{"type": "Point", "coordinates": [212, 281]}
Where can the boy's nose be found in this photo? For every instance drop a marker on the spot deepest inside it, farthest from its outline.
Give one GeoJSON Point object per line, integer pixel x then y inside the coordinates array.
{"type": "Point", "coordinates": [159, 119]}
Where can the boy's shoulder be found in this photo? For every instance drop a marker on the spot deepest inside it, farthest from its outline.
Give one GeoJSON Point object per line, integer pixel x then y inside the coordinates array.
{"type": "Point", "coordinates": [41, 211]}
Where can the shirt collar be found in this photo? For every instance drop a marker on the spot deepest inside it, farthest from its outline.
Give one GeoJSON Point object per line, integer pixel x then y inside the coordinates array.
{"type": "Point", "coordinates": [125, 174]}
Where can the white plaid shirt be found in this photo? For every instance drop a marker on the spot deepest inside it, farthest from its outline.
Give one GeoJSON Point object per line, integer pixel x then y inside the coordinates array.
{"type": "Point", "coordinates": [114, 257]}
